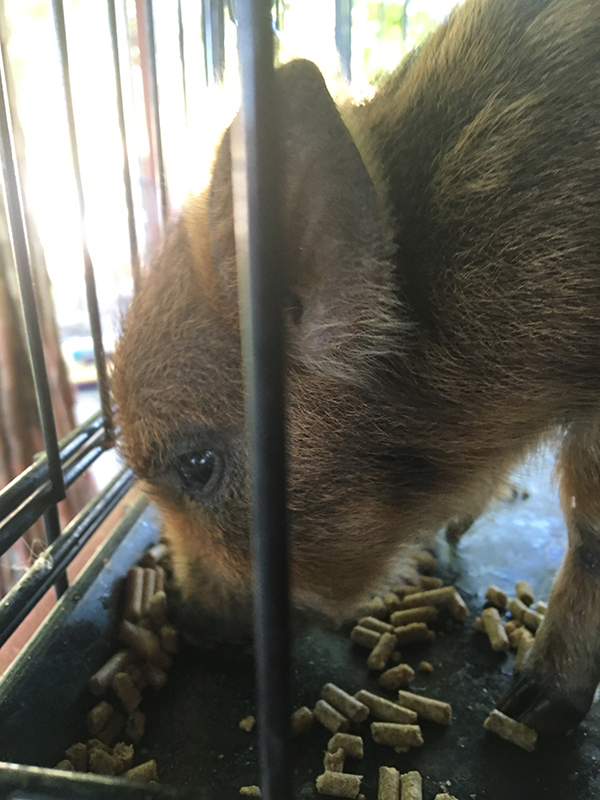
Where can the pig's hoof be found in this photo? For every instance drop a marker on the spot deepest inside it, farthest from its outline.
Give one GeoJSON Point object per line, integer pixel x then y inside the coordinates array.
{"type": "Point", "coordinates": [537, 704]}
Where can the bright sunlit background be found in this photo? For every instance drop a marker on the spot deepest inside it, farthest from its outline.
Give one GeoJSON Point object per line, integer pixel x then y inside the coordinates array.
{"type": "Point", "coordinates": [191, 121]}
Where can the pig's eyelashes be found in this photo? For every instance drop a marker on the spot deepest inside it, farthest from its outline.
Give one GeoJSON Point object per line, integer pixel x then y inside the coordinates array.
{"type": "Point", "coordinates": [197, 472]}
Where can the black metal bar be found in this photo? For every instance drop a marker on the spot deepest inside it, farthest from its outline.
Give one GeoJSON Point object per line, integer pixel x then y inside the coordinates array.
{"type": "Point", "coordinates": [18, 490]}
{"type": "Point", "coordinates": [133, 242]}
{"type": "Point", "coordinates": [52, 563]}
{"type": "Point", "coordinates": [343, 35]}
{"type": "Point", "coordinates": [39, 502]}
{"type": "Point", "coordinates": [16, 219]}
{"type": "Point", "coordinates": [261, 279]}
{"type": "Point", "coordinates": [155, 110]}
{"type": "Point", "coordinates": [90, 280]}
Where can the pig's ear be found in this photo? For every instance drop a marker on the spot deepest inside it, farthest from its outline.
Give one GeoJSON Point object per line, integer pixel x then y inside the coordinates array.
{"type": "Point", "coordinates": [342, 305]}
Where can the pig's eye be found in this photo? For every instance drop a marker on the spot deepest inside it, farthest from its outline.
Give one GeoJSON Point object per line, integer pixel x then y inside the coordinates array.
{"type": "Point", "coordinates": [195, 471]}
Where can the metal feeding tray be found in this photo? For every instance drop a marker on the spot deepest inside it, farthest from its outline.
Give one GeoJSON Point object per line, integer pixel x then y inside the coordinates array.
{"type": "Point", "coordinates": [193, 723]}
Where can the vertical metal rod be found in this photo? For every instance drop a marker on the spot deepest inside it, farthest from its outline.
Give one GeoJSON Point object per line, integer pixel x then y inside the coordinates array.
{"type": "Point", "coordinates": [261, 282]}
{"type": "Point", "coordinates": [133, 243]}
{"type": "Point", "coordinates": [182, 56]}
{"type": "Point", "coordinates": [90, 280]}
{"type": "Point", "coordinates": [213, 33]}
{"type": "Point", "coordinates": [343, 35]}
{"type": "Point", "coordinates": [16, 219]}
{"type": "Point", "coordinates": [154, 109]}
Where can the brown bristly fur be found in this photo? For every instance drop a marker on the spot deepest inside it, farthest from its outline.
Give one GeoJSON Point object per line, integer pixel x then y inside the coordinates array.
{"type": "Point", "coordinates": [443, 321]}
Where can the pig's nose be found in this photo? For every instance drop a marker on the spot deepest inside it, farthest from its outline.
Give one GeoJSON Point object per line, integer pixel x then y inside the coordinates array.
{"type": "Point", "coordinates": [544, 707]}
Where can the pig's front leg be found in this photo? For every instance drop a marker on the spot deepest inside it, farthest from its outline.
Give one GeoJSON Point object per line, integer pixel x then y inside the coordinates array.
{"type": "Point", "coordinates": [556, 686]}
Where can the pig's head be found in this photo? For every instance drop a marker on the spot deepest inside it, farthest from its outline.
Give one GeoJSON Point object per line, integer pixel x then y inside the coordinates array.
{"type": "Point", "coordinates": [178, 380]}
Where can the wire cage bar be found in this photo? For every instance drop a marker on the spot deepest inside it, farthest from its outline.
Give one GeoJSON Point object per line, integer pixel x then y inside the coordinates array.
{"type": "Point", "coordinates": [133, 241]}
{"type": "Point", "coordinates": [259, 249]}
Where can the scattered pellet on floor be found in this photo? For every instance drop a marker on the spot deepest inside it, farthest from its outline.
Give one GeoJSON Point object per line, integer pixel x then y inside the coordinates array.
{"type": "Point", "coordinates": [375, 624]}
{"type": "Point", "coordinates": [65, 765]}
{"type": "Point", "coordinates": [77, 754]}
{"type": "Point", "coordinates": [125, 689]}
{"type": "Point", "coordinates": [392, 602]}
{"type": "Point", "coordinates": [155, 554]}
{"type": "Point", "coordinates": [389, 784]}
{"type": "Point", "coordinates": [247, 723]}
{"type": "Point", "coordinates": [411, 786]}
{"type": "Point", "coordinates": [349, 706]}
{"type": "Point", "coordinates": [426, 707]}
{"type": "Point", "coordinates": [495, 629]}
{"type": "Point", "coordinates": [101, 680]}
{"type": "Point", "coordinates": [250, 791]}
{"type": "Point", "coordinates": [112, 732]}
{"type": "Point", "coordinates": [334, 762]}
{"type": "Point", "coordinates": [124, 754]}
{"type": "Point", "coordinates": [496, 596]}
{"type": "Point", "coordinates": [525, 644]}
{"type": "Point", "coordinates": [425, 666]}
{"type": "Point", "coordinates": [447, 596]}
{"type": "Point", "coordinates": [541, 607]}
{"type": "Point", "coordinates": [386, 710]}
{"type": "Point", "coordinates": [428, 582]}
{"type": "Point", "coordinates": [301, 720]}
{"type": "Point", "coordinates": [532, 619]}
{"type": "Point", "coordinates": [144, 642]}
{"type": "Point", "coordinates": [160, 579]}
{"type": "Point", "coordinates": [352, 745]}
{"type": "Point", "coordinates": [339, 784]}
{"type": "Point", "coordinates": [98, 717]}
{"type": "Point", "coordinates": [511, 730]}
{"type": "Point", "coordinates": [517, 608]}
{"type": "Point", "coordinates": [330, 717]}
{"type": "Point", "coordinates": [380, 654]}
{"type": "Point", "coordinates": [143, 772]}
{"type": "Point", "coordinates": [366, 637]}
{"type": "Point", "coordinates": [96, 744]}
{"type": "Point", "coordinates": [516, 635]}
{"type": "Point", "coordinates": [102, 763]}
{"type": "Point", "coordinates": [148, 589]}
{"type": "Point", "coordinates": [134, 589]}
{"type": "Point", "coordinates": [419, 614]}
{"type": "Point", "coordinates": [157, 610]}
{"type": "Point", "coordinates": [445, 796]}
{"type": "Point", "coordinates": [413, 632]}
{"type": "Point", "coordinates": [400, 737]}
{"type": "Point", "coordinates": [524, 592]}
{"type": "Point", "coordinates": [397, 676]}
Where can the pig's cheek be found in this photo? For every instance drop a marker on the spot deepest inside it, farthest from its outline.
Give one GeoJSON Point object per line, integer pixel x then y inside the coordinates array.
{"type": "Point", "coordinates": [198, 546]}
{"type": "Point", "coordinates": [340, 557]}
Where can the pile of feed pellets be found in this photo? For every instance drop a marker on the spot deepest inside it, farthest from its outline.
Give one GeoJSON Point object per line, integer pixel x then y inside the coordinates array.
{"type": "Point", "coordinates": [407, 615]}
{"type": "Point", "coordinates": [115, 723]}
